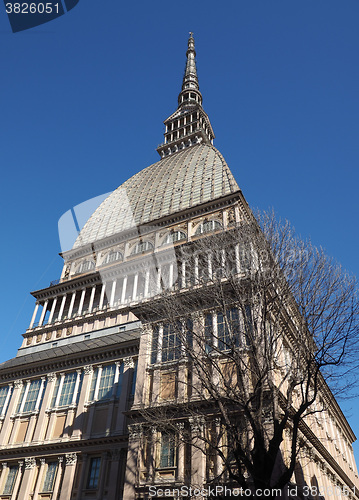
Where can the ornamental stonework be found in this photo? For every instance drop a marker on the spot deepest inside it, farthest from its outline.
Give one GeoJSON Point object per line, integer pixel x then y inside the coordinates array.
{"type": "Point", "coordinates": [30, 463]}
{"type": "Point", "coordinates": [71, 458]}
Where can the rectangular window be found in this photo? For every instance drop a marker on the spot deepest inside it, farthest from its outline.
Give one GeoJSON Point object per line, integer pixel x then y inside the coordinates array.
{"type": "Point", "coordinates": [106, 382]}
{"type": "Point", "coordinates": [3, 394]}
{"type": "Point", "coordinates": [20, 398]}
{"type": "Point", "coordinates": [167, 457]}
{"type": "Point", "coordinates": [56, 390]}
{"type": "Point", "coordinates": [32, 395]}
{"type": "Point", "coordinates": [228, 329]}
{"type": "Point", "coordinates": [67, 389]}
{"type": "Point", "coordinates": [50, 477]}
{"type": "Point", "coordinates": [94, 473]}
{"type": "Point", "coordinates": [10, 480]}
{"type": "Point", "coordinates": [171, 342]}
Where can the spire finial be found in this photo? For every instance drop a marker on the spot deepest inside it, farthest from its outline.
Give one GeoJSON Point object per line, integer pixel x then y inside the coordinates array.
{"type": "Point", "coordinates": [189, 124]}
{"type": "Point", "coordinates": [190, 73]}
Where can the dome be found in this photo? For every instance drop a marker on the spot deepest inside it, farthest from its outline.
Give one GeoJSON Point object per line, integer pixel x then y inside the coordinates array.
{"type": "Point", "coordinates": [188, 178]}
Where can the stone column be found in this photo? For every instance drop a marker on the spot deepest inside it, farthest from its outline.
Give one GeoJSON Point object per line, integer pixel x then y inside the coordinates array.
{"type": "Point", "coordinates": [111, 404]}
{"type": "Point", "coordinates": [196, 269]}
{"type": "Point", "coordinates": [78, 425]}
{"type": "Point", "coordinates": [182, 379]}
{"type": "Point", "coordinates": [82, 299]}
{"type": "Point", "coordinates": [17, 481]}
{"type": "Point", "coordinates": [219, 463]}
{"type": "Point", "coordinates": [69, 314]}
{"type": "Point", "coordinates": [113, 494]}
{"type": "Point", "coordinates": [34, 315]}
{"type": "Point", "coordinates": [198, 460]}
{"type": "Point", "coordinates": [223, 261]}
{"type": "Point", "coordinates": [3, 475]}
{"type": "Point", "coordinates": [209, 257]}
{"type": "Point", "coordinates": [140, 396]}
{"type": "Point", "coordinates": [113, 291]}
{"type": "Point", "coordinates": [147, 282]}
{"type": "Point", "coordinates": [97, 386]}
{"type": "Point", "coordinates": [62, 306]}
{"type": "Point", "coordinates": [102, 296]}
{"type": "Point", "coordinates": [43, 312]}
{"type": "Point", "coordinates": [183, 271]}
{"type": "Point", "coordinates": [196, 384]}
{"type": "Point", "coordinates": [83, 474]}
{"type": "Point", "coordinates": [39, 479]}
{"type": "Point", "coordinates": [181, 453]}
{"type": "Point", "coordinates": [92, 297]}
{"type": "Point", "coordinates": [238, 260]}
{"type": "Point", "coordinates": [214, 328]}
{"type": "Point", "coordinates": [6, 427]}
{"type": "Point", "coordinates": [135, 284]}
{"type": "Point", "coordinates": [58, 478]}
{"type": "Point", "coordinates": [39, 433]}
{"type": "Point", "coordinates": [28, 478]}
{"type": "Point", "coordinates": [131, 463]}
{"type": "Point", "coordinates": [52, 309]}
{"type": "Point", "coordinates": [123, 294]}
{"type": "Point", "coordinates": [122, 405]}
{"type": "Point", "coordinates": [69, 474]}
{"type": "Point", "coordinates": [158, 281]}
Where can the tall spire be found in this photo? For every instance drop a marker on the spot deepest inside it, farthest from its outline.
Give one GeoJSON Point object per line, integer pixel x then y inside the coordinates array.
{"type": "Point", "coordinates": [189, 124]}
{"type": "Point", "coordinates": [190, 74]}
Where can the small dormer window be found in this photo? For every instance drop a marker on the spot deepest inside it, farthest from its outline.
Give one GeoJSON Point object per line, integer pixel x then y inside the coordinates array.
{"type": "Point", "coordinates": [142, 247]}
{"type": "Point", "coordinates": [113, 257]}
{"type": "Point", "coordinates": [87, 265]}
{"type": "Point", "coordinates": [208, 227]}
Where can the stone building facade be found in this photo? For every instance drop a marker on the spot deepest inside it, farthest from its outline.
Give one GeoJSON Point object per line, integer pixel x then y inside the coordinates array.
{"type": "Point", "coordinates": [87, 364]}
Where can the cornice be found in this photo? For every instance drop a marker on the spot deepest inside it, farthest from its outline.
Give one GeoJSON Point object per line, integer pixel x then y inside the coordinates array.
{"type": "Point", "coordinates": [74, 361]}
{"type": "Point", "coordinates": [61, 448]}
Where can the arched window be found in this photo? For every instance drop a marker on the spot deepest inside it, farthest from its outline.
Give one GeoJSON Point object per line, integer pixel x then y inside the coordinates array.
{"type": "Point", "coordinates": [143, 246]}
{"type": "Point", "coordinates": [112, 257]}
{"type": "Point", "coordinates": [174, 236]}
{"type": "Point", "coordinates": [208, 226]}
{"type": "Point", "coordinates": [85, 266]}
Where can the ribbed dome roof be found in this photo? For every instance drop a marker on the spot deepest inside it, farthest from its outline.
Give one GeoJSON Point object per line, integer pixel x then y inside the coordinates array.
{"type": "Point", "coordinates": [196, 175]}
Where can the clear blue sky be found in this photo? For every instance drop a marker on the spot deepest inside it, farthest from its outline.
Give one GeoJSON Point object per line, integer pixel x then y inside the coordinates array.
{"type": "Point", "coordinates": [83, 99]}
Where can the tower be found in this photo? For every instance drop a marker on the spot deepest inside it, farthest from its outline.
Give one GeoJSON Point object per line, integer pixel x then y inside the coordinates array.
{"type": "Point", "coordinates": [100, 353]}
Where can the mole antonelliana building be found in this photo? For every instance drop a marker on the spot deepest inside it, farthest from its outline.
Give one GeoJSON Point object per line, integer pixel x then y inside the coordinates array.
{"type": "Point", "coordinates": [71, 399]}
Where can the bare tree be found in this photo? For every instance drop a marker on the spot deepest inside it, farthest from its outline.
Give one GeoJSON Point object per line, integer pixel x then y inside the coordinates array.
{"type": "Point", "coordinates": [265, 327]}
